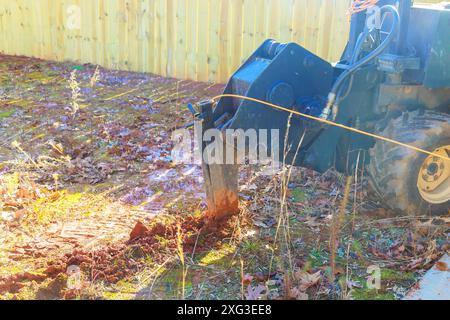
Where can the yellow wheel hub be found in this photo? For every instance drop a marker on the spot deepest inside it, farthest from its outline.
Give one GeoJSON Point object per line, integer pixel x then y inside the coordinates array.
{"type": "Point", "coordinates": [434, 177]}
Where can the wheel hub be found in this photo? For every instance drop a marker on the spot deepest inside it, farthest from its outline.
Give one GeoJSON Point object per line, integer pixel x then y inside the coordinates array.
{"type": "Point", "coordinates": [434, 177]}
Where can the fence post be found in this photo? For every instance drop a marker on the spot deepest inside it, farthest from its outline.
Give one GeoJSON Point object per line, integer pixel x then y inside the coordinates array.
{"type": "Point", "coordinates": [221, 180]}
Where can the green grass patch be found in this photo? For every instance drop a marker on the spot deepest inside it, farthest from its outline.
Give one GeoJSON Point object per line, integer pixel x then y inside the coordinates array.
{"type": "Point", "coordinates": [7, 114]}
{"type": "Point", "coordinates": [218, 257]}
{"type": "Point", "coordinates": [393, 275]}
{"type": "Point", "coordinates": [298, 195]}
{"type": "Point", "coordinates": [366, 294]}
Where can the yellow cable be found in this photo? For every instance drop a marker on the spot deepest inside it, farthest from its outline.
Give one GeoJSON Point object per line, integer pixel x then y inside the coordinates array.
{"type": "Point", "coordinates": [331, 123]}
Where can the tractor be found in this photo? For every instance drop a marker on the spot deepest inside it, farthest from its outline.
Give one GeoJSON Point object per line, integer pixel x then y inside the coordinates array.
{"type": "Point", "coordinates": [392, 81]}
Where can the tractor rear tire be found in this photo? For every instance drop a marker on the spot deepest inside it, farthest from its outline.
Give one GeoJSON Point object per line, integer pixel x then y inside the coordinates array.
{"type": "Point", "coordinates": [394, 169]}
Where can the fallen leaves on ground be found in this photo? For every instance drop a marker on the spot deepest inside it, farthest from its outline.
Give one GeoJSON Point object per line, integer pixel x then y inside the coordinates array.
{"type": "Point", "coordinates": [307, 280]}
{"type": "Point", "coordinates": [255, 292]}
{"type": "Point", "coordinates": [442, 266]}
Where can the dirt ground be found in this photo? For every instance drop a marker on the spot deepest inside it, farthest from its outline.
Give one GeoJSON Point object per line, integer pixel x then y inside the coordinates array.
{"type": "Point", "coordinates": [92, 205]}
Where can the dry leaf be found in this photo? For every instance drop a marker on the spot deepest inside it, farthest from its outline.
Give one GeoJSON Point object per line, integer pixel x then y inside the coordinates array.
{"type": "Point", "coordinates": [297, 294]}
{"type": "Point", "coordinates": [307, 280]}
{"type": "Point", "coordinates": [18, 215]}
{"type": "Point", "coordinates": [353, 284]}
{"type": "Point", "coordinates": [247, 279]}
{"type": "Point", "coordinates": [139, 230]}
{"type": "Point", "coordinates": [256, 293]}
{"type": "Point", "coordinates": [442, 266]}
{"type": "Point", "coordinates": [24, 194]}
{"type": "Point", "coordinates": [312, 222]}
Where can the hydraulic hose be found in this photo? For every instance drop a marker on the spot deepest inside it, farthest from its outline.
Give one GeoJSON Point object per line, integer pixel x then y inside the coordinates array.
{"type": "Point", "coordinates": [332, 105]}
{"type": "Point", "coordinates": [358, 47]}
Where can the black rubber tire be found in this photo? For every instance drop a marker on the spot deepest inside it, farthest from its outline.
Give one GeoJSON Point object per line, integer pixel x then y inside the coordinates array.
{"type": "Point", "coordinates": [394, 169]}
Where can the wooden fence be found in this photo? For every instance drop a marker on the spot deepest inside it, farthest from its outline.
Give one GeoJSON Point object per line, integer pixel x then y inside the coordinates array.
{"type": "Point", "coordinates": [202, 40]}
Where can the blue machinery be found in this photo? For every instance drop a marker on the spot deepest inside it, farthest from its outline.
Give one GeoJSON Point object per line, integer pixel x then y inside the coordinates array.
{"type": "Point", "coordinates": [401, 66]}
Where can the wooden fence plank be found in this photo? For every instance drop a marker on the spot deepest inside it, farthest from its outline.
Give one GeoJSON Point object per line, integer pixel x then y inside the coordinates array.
{"type": "Point", "coordinates": [181, 42]}
{"type": "Point", "coordinates": [202, 41]}
{"type": "Point", "coordinates": [224, 42]}
{"type": "Point", "coordinates": [213, 41]}
{"type": "Point", "coordinates": [192, 32]}
{"type": "Point", "coordinates": [236, 34]}
{"type": "Point", "coordinates": [248, 32]}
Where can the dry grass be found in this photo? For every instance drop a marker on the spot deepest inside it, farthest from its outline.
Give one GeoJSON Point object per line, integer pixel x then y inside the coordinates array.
{"type": "Point", "coordinates": [184, 267]}
{"type": "Point", "coordinates": [75, 92]}
{"type": "Point", "coordinates": [336, 226]}
{"type": "Point", "coordinates": [95, 77]}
